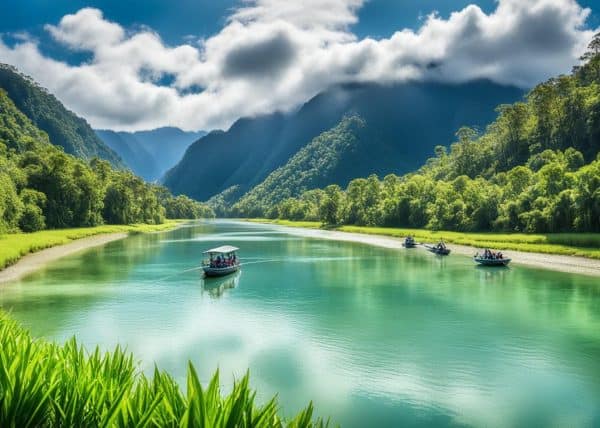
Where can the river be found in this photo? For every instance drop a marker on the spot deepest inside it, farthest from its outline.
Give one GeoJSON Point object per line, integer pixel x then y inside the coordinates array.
{"type": "Point", "coordinates": [374, 336]}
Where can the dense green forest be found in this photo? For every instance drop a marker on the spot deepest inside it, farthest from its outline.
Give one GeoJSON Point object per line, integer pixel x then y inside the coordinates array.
{"type": "Point", "coordinates": [43, 187]}
{"type": "Point", "coordinates": [63, 127]}
{"type": "Point", "coordinates": [536, 168]}
{"type": "Point", "coordinates": [332, 154]}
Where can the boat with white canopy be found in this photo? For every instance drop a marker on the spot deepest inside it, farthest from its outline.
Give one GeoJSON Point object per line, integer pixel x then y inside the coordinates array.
{"type": "Point", "coordinates": [221, 261]}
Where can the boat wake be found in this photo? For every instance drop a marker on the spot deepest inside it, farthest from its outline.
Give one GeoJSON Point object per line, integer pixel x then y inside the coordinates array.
{"type": "Point", "coordinates": [257, 260]}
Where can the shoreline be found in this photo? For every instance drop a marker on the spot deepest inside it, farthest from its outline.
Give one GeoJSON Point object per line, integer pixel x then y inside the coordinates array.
{"type": "Point", "coordinates": [30, 252]}
{"type": "Point", "coordinates": [556, 262]}
{"type": "Point", "coordinates": [37, 260]}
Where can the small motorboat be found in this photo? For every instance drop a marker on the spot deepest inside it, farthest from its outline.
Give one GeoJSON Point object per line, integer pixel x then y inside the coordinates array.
{"type": "Point", "coordinates": [221, 261]}
{"type": "Point", "coordinates": [489, 258]}
{"type": "Point", "coordinates": [409, 242]}
{"type": "Point", "coordinates": [491, 262]}
{"type": "Point", "coordinates": [440, 249]}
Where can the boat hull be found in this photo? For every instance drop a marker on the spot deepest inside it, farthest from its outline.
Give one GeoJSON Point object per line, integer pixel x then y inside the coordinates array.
{"type": "Point", "coordinates": [213, 271]}
{"type": "Point", "coordinates": [491, 262]}
{"type": "Point", "coordinates": [405, 245]}
{"type": "Point", "coordinates": [437, 251]}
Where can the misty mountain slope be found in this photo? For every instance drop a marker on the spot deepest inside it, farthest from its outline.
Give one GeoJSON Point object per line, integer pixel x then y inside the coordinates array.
{"type": "Point", "coordinates": [245, 154]}
{"type": "Point", "coordinates": [410, 119]}
{"type": "Point", "coordinates": [132, 151]}
{"type": "Point", "coordinates": [334, 157]}
{"type": "Point", "coordinates": [64, 128]}
{"type": "Point", "coordinates": [167, 144]}
{"type": "Point", "coordinates": [150, 153]}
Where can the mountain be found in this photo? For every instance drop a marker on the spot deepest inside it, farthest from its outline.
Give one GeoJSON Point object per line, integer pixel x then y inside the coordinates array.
{"type": "Point", "coordinates": [16, 130]}
{"type": "Point", "coordinates": [42, 187]}
{"type": "Point", "coordinates": [404, 121]}
{"type": "Point", "coordinates": [336, 156]}
{"type": "Point", "coordinates": [132, 151]}
{"type": "Point", "coordinates": [535, 169]}
{"type": "Point", "coordinates": [150, 153]}
{"type": "Point", "coordinates": [64, 128]}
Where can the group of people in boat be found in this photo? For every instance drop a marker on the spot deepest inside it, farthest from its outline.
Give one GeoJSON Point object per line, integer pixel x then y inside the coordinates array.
{"type": "Point", "coordinates": [409, 242]}
{"type": "Point", "coordinates": [491, 255]}
{"type": "Point", "coordinates": [440, 246]}
{"type": "Point", "coordinates": [223, 261]}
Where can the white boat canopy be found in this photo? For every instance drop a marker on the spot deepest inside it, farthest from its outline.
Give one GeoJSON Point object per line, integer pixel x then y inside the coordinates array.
{"type": "Point", "coordinates": [222, 250]}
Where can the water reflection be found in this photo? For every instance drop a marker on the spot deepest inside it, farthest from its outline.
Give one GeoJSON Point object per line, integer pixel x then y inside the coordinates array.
{"type": "Point", "coordinates": [215, 287]}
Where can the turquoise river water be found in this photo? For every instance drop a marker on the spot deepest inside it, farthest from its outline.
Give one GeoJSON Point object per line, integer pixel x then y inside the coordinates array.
{"type": "Point", "coordinates": [375, 337]}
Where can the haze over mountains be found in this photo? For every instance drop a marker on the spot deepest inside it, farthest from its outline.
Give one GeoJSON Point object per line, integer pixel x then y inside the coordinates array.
{"type": "Point", "coordinates": [150, 153]}
{"type": "Point", "coordinates": [401, 125]}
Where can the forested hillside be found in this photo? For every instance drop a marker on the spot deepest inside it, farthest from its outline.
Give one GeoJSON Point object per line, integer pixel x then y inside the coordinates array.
{"type": "Point", "coordinates": [43, 187]}
{"type": "Point", "coordinates": [64, 128]}
{"type": "Point", "coordinates": [403, 123]}
{"type": "Point", "coordinates": [535, 169]}
{"type": "Point", "coordinates": [150, 153]}
{"type": "Point", "coordinates": [335, 156]}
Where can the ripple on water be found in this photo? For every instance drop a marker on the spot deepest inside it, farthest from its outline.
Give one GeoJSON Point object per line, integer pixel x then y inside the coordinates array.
{"type": "Point", "coordinates": [230, 238]}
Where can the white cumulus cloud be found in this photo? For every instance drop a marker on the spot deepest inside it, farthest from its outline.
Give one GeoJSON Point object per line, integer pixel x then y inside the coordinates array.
{"type": "Point", "coordinates": [275, 54]}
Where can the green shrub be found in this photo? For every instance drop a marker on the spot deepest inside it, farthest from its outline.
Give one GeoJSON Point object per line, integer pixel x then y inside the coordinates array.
{"type": "Point", "coordinates": [47, 385]}
{"type": "Point", "coordinates": [32, 219]}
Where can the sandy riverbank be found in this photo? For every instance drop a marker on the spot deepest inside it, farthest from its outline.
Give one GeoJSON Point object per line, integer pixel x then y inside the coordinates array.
{"type": "Point", "coordinates": [570, 264]}
{"type": "Point", "coordinates": [37, 260]}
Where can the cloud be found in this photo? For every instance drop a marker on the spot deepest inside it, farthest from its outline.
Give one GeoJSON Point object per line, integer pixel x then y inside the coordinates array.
{"type": "Point", "coordinates": [261, 58]}
{"type": "Point", "coordinates": [275, 54]}
{"type": "Point", "coordinates": [86, 29]}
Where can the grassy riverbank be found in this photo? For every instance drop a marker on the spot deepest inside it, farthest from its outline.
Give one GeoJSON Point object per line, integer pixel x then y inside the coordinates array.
{"type": "Point", "coordinates": [13, 246]}
{"type": "Point", "coordinates": [43, 384]}
{"type": "Point", "coordinates": [571, 244]}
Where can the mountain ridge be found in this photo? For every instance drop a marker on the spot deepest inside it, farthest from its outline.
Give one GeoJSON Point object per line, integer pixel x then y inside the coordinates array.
{"type": "Point", "coordinates": [150, 153]}
{"type": "Point", "coordinates": [252, 148]}
{"type": "Point", "coordinates": [46, 112]}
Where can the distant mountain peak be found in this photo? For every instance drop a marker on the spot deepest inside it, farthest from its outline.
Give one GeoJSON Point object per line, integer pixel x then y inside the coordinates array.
{"type": "Point", "coordinates": [152, 152]}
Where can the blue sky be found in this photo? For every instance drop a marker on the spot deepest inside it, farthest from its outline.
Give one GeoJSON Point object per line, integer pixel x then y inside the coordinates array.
{"type": "Point", "coordinates": [202, 64]}
{"type": "Point", "coordinates": [178, 18]}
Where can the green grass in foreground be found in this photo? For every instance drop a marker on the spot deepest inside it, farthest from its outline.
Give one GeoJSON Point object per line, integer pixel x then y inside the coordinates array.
{"type": "Point", "coordinates": [48, 385]}
{"type": "Point", "coordinates": [13, 246]}
{"type": "Point", "coordinates": [572, 244]}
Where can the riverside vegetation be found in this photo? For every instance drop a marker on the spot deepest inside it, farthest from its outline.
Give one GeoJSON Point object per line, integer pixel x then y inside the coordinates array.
{"type": "Point", "coordinates": [568, 244]}
{"type": "Point", "coordinates": [536, 169]}
{"type": "Point", "coordinates": [48, 385]}
{"type": "Point", "coordinates": [13, 246]}
{"type": "Point", "coordinates": [42, 187]}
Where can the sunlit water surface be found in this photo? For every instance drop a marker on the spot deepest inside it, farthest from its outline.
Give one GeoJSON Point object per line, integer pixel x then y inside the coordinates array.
{"type": "Point", "coordinates": [375, 337]}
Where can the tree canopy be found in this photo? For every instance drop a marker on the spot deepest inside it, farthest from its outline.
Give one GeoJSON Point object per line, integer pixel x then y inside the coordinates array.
{"type": "Point", "coordinates": [41, 186]}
